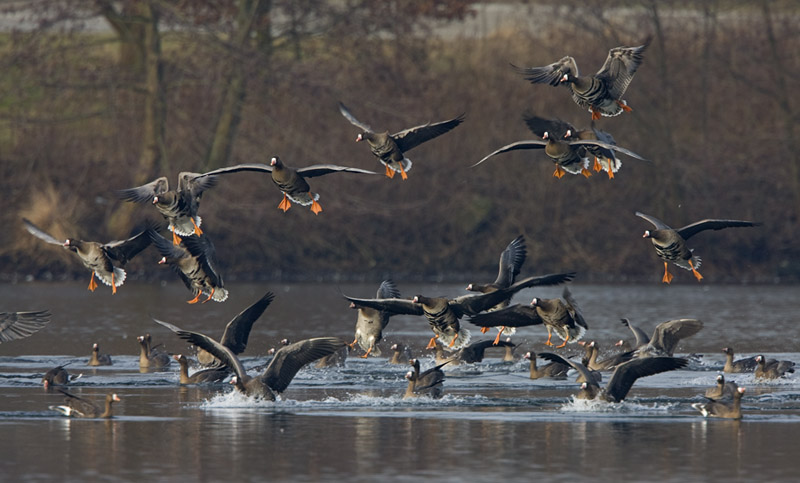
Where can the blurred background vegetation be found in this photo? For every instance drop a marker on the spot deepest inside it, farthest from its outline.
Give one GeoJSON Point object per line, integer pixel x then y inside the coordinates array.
{"type": "Point", "coordinates": [103, 95]}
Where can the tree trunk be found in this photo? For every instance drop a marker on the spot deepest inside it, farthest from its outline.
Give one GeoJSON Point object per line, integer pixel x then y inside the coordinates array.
{"type": "Point", "coordinates": [234, 90]}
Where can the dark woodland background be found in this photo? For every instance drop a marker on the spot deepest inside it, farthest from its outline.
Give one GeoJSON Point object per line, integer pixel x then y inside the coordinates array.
{"type": "Point", "coordinates": [163, 87]}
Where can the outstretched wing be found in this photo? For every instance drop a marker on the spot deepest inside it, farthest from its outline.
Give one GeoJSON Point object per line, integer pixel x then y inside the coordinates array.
{"type": "Point", "coordinates": [392, 305]}
{"type": "Point", "coordinates": [146, 192]}
{"type": "Point", "coordinates": [350, 117]}
{"type": "Point", "coordinates": [238, 330]}
{"type": "Point", "coordinates": [709, 224]}
{"type": "Point", "coordinates": [209, 345]}
{"type": "Point", "coordinates": [124, 250]}
{"type": "Point", "coordinates": [322, 169]}
{"type": "Point", "coordinates": [515, 316]}
{"type": "Point", "coordinates": [38, 233]}
{"type": "Point", "coordinates": [527, 144]}
{"type": "Point", "coordinates": [290, 359]}
{"type": "Point", "coordinates": [549, 74]}
{"type": "Point", "coordinates": [18, 325]}
{"type": "Point", "coordinates": [574, 309]}
{"type": "Point", "coordinates": [264, 168]}
{"type": "Point", "coordinates": [511, 261]}
{"type": "Point", "coordinates": [554, 128]}
{"type": "Point", "coordinates": [388, 290]}
{"type": "Point", "coordinates": [619, 67]}
{"type": "Point", "coordinates": [660, 225]}
{"type": "Point", "coordinates": [413, 137]}
{"type": "Point", "coordinates": [474, 304]}
{"type": "Point", "coordinates": [667, 335]}
{"type": "Point", "coordinates": [588, 375]}
{"type": "Point", "coordinates": [195, 183]}
{"type": "Point", "coordinates": [628, 372]}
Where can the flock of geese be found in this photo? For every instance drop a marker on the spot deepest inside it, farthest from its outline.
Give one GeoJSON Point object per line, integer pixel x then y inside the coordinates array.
{"type": "Point", "coordinates": [192, 255]}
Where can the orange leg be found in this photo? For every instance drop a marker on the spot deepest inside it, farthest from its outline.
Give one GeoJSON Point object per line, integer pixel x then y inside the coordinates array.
{"type": "Point", "coordinates": [114, 285]}
{"type": "Point", "coordinates": [209, 296]}
{"type": "Point", "coordinates": [389, 172]}
{"type": "Point", "coordinates": [353, 344]}
{"type": "Point", "coordinates": [453, 342]}
{"type": "Point", "coordinates": [285, 204]}
{"type": "Point", "coordinates": [597, 166]}
{"type": "Point", "coordinates": [595, 113]}
{"type": "Point", "coordinates": [195, 299]}
{"type": "Point", "coordinates": [565, 342]}
{"type": "Point", "coordinates": [176, 240]}
{"type": "Point", "coordinates": [549, 336]}
{"type": "Point", "coordinates": [92, 283]}
{"type": "Point", "coordinates": [624, 106]}
{"type": "Point", "coordinates": [695, 272]}
{"type": "Point", "coordinates": [610, 172]}
{"type": "Point", "coordinates": [667, 276]}
{"type": "Point", "coordinates": [316, 207]}
{"type": "Point", "coordinates": [432, 342]}
{"type": "Point", "coordinates": [559, 172]}
{"type": "Point", "coordinates": [585, 172]}
{"type": "Point", "coordinates": [197, 230]}
{"type": "Point", "coordinates": [403, 172]}
{"type": "Point", "coordinates": [484, 330]}
{"type": "Point", "coordinates": [367, 353]}
{"type": "Point", "coordinates": [497, 339]}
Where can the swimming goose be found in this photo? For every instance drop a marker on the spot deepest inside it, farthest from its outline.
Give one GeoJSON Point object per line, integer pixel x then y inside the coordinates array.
{"type": "Point", "coordinates": [79, 407]}
{"type": "Point", "coordinates": [723, 390]}
{"type": "Point", "coordinates": [470, 354]}
{"type": "Point", "coordinates": [600, 93]}
{"type": "Point", "coordinates": [670, 244]}
{"type": "Point", "coordinates": [285, 364]}
{"type": "Point", "coordinates": [428, 383]}
{"type": "Point", "coordinates": [562, 317]}
{"type": "Point", "coordinates": [748, 364]}
{"type": "Point", "coordinates": [290, 181]}
{"type": "Point", "coordinates": [401, 354]}
{"type": "Point", "coordinates": [606, 364]}
{"type": "Point", "coordinates": [194, 260]}
{"type": "Point", "coordinates": [622, 378]}
{"type": "Point", "coordinates": [210, 375]}
{"type": "Point", "coordinates": [390, 149]}
{"type": "Point", "coordinates": [58, 376]}
{"type": "Point", "coordinates": [178, 206]}
{"type": "Point", "coordinates": [552, 369]}
{"type": "Point", "coordinates": [723, 409]}
{"type": "Point", "coordinates": [772, 368]}
{"type": "Point", "coordinates": [370, 322]}
{"type": "Point", "coordinates": [148, 357]}
{"type": "Point", "coordinates": [99, 257]}
{"type": "Point", "coordinates": [98, 359]}
{"type": "Point", "coordinates": [443, 313]}
{"type": "Point", "coordinates": [18, 325]}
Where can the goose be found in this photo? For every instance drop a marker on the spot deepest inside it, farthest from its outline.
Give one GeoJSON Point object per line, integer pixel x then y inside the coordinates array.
{"type": "Point", "coordinates": [670, 244]}
{"type": "Point", "coordinates": [194, 260]}
{"type": "Point", "coordinates": [178, 206]}
{"type": "Point", "coordinates": [428, 383]}
{"type": "Point", "coordinates": [748, 364]}
{"type": "Point", "coordinates": [390, 148]}
{"type": "Point", "coordinates": [98, 359]}
{"type": "Point", "coordinates": [285, 364]}
{"type": "Point", "coordinates": [79, 407]}
{"type": "Point", "coordinates": [370, 322]}
{"type": "Point", "coordinates": [723, 409]}
{"type": "Point", "coordinates": [600, 93]}
{"type": "Point", "coordinates": [214, 374]}
{"type": "Point", "coordinates": [291, 181]}
{"type": "Point", "coordinates": [99, 257]}
{"type": "Point", "coordinates": [772, 368]}
{"type": "Point", "coordinates": [554, 370]}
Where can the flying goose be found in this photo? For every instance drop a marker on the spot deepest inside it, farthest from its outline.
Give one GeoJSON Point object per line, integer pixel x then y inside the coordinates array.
{"type": "Point", "coordinates": [194, 260]}
{"type": "Point", "coordinates": [390, 148]}
{"type": "Point", "coordinates": [670, 244]}
{"type": "Point", "coordinates": [370, 322]}
{"type": "Point", "coordinates": [99, 257]}
{"type": "Point", "coordinates": [600, 93]}
{"type": "Point", "coordinates": [292, 182]}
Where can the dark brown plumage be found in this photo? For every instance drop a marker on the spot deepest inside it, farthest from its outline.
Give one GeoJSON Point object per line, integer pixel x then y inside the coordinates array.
{"type": "Point", "coordinates": [428, 383]}
{"type": "Point", "coordinates": [292, 182]}
{"type": "Point", "coordinates": [723, 390]}
{"type": "Point", "coordinates": [772, 368]}
{"type": "Point", "coordinates": [600, 93]}
{"type": "Point", "coordinates": [554, 370]}
{"type": "Point", "coordinates": [390, 149]}
{"type": "Point", "coordinates": [58, 376]}
{"type": "Point", "coordinates": [670, 244]}
{"type": "Point", "coordinates": [370, 322]}
{"type": "Point", "coordinates": [748, 364]}
{"type": "Point", "coordinates": [99, 257]}
{"type": "Point", "coordinates": [608, 363]}
{"type": "Point", "coordinates": [149, 358]}
{"type": "Point", "coordinates": [667, 335]}
{"type": "Point", "coordinates": [401, 354]}
{"type": "Point", "coordinates": [211, 375]}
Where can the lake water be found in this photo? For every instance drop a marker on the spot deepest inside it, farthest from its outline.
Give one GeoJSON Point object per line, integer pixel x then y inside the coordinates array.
{"type": "Point", "coordinates": [350, 423]}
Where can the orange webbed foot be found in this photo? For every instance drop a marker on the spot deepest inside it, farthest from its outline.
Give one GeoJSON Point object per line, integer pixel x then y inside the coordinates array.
{"type": "Point", "coordinates": [403, 172]}
{"type": "Point", "coordinates": [497, 339]}
{"type": "Point", "coordinates": [197, 230]}
{"type": "Point", "coordinates": [453, 342]}
{"type": "Point", "coordinates": [484, 330]}
{"type": "Point", "coordinates": [695, 272]}
{"type": "Point", "coordinates": [176, 240]}
{"type": "Point", "coordinates": [113, 284]}
{"type": "Point", "coordinates": [595, 114]}
{"type": "Point", "coordinates": [285, 204]}
{"type": "Point", "coordinates": [610, 173]}
{"type": "Point", "coordinates": [196, 298]}
{"type": "Point", "coordinates": [667, 278]}
{"type": "Point", "coordinates": [559, 172]}
{"type": "Point", "coordinates": [624, 105]}
{"type": "Point", "coordinates": [564, 344]}
{"type": "Point", "coordinates": [209, 296]}
{"type": "Point", "coordinates": [585, 172]}
{"type": "Point", "coordinates": [92, 283]}
{"type": "Point", "coordinates": [432, 342]}
{"type": "Point", "coordinates": [316, 208]}
{"type": "Point", "coordinates": [597, 166]}
{"type": "Point", "coordinates": [389, 172]}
